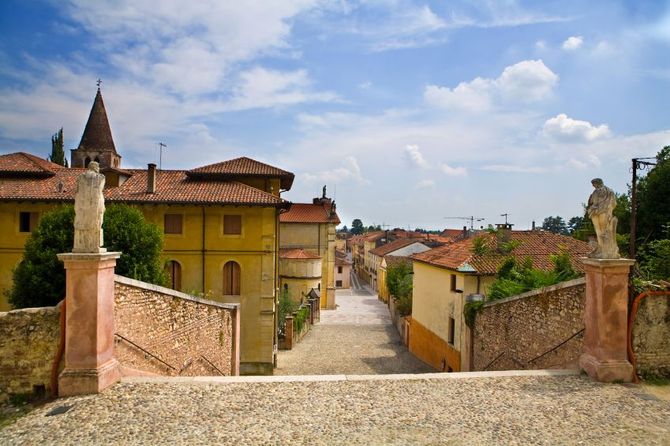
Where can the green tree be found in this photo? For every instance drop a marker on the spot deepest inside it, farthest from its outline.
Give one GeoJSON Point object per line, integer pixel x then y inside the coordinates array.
{"type": "Point", "coordinates": [399, 282]}
{"type": "Point", "coordinates": [357, 227]}
{"type": "Point", "coordinates": [574, 224]}
{"type": "Point", "coordinates": [654, 259]}
{"type": "Point", "coordinates": [39, 280]}
{"type": "Point", "coordinates": [555, 224]}
{"type": "Point", "coordinates": [653, 209]}
{"type": "Point", "coordinates": [57, 153]}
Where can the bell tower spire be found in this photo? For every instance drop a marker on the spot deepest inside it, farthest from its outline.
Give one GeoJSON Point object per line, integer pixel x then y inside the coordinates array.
{"type": "Point", "coordinates": [96, 142]}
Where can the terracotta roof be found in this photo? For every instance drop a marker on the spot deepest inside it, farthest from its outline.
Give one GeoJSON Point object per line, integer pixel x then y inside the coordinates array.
{"type": "Point", "coordinates": [297, 254]}
{"type": "Point", "coordinates": [394, 246]}
{"type": "Point", "coordinates": [310, 213]}
{"type": "Point", "coordinates": [97, 133]}
{"type": "Point", "coordinates": [341, 259]}
{"type": "Point", "coordinates": [395, 260]}
{"type": "Point", "coordinates": [172, 187]}
{"type": "Point", "coordinates": [452, 233]}
{"type": "Point", "coordinates": [245, 167]}
{"type": "Point", "coordinates": [25, 164]}
{"type": "Point", "coordinates": [537, 245]}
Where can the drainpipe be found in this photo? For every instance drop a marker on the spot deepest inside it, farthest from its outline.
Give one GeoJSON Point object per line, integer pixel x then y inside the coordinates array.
{"type": "Point", "coordinates": [203, 251]}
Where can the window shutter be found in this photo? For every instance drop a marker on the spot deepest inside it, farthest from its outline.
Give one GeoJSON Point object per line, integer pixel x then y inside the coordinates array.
{"type": "Point", "coordinates": [232, 224]}
{"type": "Point", "coordinates": [173, 223]}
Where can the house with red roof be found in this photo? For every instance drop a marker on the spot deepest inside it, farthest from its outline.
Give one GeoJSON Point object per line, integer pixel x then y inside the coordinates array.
{"type": "Point", "coordinates": [309, 228]}
{"type": "Point", "coordinates": [220, 223]}
{"type": "Point", "coordinates": [447, 276]}
{"type": "Point", "coordinates": [402, 247]}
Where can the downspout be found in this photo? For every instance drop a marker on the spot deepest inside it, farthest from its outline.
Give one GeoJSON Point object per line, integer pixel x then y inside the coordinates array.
{"type": "Point", "coordinates": [203, 252]}
{"type": "Point", "coordinates": [275, 341]}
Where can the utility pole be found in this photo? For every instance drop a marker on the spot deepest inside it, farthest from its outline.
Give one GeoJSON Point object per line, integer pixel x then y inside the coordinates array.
{"type": "Point", "coordinates": [641, 164]}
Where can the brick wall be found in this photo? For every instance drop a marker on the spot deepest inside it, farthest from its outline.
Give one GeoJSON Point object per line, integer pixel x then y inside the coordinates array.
{"type": "Point", "coordinates": [651, 336]}
{"type": "Point", "coordinates": [166, 332]}
{"type": "Point", "coordinates": [540, 329]}
{"type": "Point", "coordinates": [28, 345]}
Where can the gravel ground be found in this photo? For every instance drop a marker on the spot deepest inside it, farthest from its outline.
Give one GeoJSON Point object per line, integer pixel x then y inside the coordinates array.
{"type": "Point", "coordinates": [517, 410]}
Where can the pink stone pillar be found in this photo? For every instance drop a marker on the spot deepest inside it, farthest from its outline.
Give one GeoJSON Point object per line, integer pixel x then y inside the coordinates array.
{"type": "Point", "coordinates": [90, 366]}
{"type": "Point", "coordinates": [605, 357]}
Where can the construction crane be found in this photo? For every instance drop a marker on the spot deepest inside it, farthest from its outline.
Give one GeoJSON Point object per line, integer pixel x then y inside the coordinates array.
{"type": "Point", "coordinates": [472, 220]}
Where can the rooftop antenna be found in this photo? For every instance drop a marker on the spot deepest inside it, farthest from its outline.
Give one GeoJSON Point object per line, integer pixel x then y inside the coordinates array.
{"type": "Point", "coordinates": [160, 154]}
{"type": "Point", "coordinates": [505, 215]}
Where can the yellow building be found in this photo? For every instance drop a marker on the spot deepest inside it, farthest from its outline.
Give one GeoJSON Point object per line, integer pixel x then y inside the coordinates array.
{"type": "Point", "coordinates": [221, 224]}
{"type": "Point", "coordinates": [446, 276]}
{"type": "Point", "coordinates": [310, 227]}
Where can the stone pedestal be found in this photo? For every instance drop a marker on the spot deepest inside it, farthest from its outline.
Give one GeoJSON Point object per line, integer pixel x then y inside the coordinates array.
{"type": "Point", "coordinates": [605, 355]}
{"type": "Point", "coordinates": [90, 366]}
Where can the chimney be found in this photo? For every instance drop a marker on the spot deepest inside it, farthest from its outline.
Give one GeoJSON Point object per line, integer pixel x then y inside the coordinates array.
{"type": "Point", "coordinates": [151, 178]}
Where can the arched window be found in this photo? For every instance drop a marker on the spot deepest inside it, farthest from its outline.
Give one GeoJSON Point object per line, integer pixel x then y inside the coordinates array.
{"type": "Point", "coordinates": [87, 161]}
{"type": "Point", "coordinates": [231, 278]}
{"type": "Point", "coordinates": [173, 271]}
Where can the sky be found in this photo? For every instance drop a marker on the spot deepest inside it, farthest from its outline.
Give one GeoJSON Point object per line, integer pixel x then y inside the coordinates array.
{"type": "Point", "coordinates": [414, 114]}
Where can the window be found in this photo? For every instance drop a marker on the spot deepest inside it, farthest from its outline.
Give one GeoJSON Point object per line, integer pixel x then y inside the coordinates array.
{"type": "Point", "coordinates": [232, 224]}
{"type": "Point", "coordinates": [173, 223]}
{"type": "Point", "coordinates": [28, 221]}
{"type": "Point", "coordinates": [339, 270]}
{"type": "Point", "coordinates": [453, 282]}
{"type": "Point", "coordinates": [231, 278]}
{"type": "Point", "coordinates": [338, 283]}
{"type": "Point", "coordinates": [452, 330]}
{"type": "Point", "coordinates": [87, 161]}
{"type": "Point", "coordinates": [173, 271]}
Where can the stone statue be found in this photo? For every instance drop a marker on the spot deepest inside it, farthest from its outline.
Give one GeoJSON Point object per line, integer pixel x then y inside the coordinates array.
{"type": "Point", "coordinates": [89, 208]}
{"type": "Point", "coordinates": [324, 192]}
{"type": "Point", "coordinates": [601, 205]}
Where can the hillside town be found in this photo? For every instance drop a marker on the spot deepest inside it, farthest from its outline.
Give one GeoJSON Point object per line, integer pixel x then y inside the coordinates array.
{"type": "Point", "coordinates": [218, 300]}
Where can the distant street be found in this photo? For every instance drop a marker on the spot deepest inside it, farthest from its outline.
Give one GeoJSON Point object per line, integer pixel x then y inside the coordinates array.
{"type": "Point", "coordinates": [357, 338]}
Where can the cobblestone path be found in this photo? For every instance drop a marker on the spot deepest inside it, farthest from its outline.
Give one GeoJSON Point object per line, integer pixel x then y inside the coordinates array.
{"type": "Point", "coordinates": [358, 338]}
{"type": "Point", "coordinates": [445, 410]}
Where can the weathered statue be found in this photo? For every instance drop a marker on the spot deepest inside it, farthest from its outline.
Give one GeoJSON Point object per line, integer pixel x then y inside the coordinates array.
{"type": "Point", "coordinates": [601, 205]}
{"type": "Point", "coordinates": [324, 192]}
{"type": "Point", "coordinates": [89, 208]}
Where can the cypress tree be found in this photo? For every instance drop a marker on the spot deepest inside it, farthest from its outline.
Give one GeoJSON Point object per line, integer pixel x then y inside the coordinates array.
{"type": "Point", "coordinates": [57, 152]}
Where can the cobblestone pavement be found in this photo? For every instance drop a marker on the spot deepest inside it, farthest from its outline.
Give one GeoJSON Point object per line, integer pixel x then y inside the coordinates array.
{"type": "Point", "coordinates": [451, 411]}
{"type": "Point", "coordinates": [357, 338]}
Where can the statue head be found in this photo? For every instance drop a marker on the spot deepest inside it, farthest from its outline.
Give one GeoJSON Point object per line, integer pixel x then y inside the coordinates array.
{"type": "Point", "coordinates": [597, 182]}
{"type": "Point", "coordinates": [94, 166]}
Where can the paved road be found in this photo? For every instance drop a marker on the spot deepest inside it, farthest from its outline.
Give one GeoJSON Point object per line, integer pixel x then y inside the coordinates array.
{"type": "Point", "coordinates": [357, 338]}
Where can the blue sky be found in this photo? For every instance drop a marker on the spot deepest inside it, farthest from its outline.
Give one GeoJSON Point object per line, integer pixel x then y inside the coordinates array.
{"type": "Point", "coordinates": [409, 111]}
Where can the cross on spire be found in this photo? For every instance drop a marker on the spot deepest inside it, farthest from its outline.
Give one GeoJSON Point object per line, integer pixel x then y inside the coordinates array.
{"type": "Point", "coordinates": [98, 82]}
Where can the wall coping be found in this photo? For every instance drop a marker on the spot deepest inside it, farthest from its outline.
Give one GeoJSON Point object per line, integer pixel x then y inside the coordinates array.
{"type": "Point", "coordinates": [173, 293]}
{"type": "Point", "coordinates": [532, 293]}
{"type": "Point", "coordinates": [32, 309]}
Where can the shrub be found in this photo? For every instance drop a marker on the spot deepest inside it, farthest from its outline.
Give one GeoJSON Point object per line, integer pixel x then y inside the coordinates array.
{"type": "Point", "coordinates": [39, 280]}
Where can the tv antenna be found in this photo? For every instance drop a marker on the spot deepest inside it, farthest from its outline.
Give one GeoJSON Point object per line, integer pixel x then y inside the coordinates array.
{"type": "Point", "coordinates": [505, 215]}
{"type": "Point", "coordinates": [161, 146]}
{"type": "Point", "coordinates": [471, 218]}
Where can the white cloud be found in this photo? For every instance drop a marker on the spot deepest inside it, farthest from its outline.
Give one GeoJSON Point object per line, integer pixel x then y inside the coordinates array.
{"type": "Point", "coordinates": [453, 171]}
{"type": "Point", "coordinates": [414, 157]}
{"type": "Point", "coordinates": [509, 168]}
{"type": "Point", "coordinates": [350, 170]}
{"type": "Point", "coordinates": [526, 81]}
{"type": "Point", "coordinates": [425, 184]}
{"type": "Point", "coordinates": [572, 43]}
{"type": "Point", "coordinates": [590, 161]}
{"type": "Point", "coordinates": [541, 45]}
{"type": "Point", "coordinates": [472, 96]}
{"type": "Point", "coordinates": [263, 88]}
{"type": "Point", "coordinates": [561, 127]}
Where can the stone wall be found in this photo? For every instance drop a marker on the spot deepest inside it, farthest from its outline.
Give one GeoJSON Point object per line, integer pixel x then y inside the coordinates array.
{"type": "Point", "coordinates": [651, 336]}
{"type": "Point", "coordinates": [541, 329]}
{"type": "Point", "coordinates": [29, 341]}
{"type": "Point", "coordinates": [166, 332]}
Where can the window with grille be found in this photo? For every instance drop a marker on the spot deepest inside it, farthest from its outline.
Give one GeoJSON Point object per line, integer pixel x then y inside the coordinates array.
{"type": "Point", "coordinates": [173, 271]}
{"type": "Point", "coordinates": [28, 221]}
{"type": "Point", "coordinates": [232, 224]}
{"type": "Point", "coordinates": [173, 223]}
{"type": "Point", "coordinates": [231, 278]}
